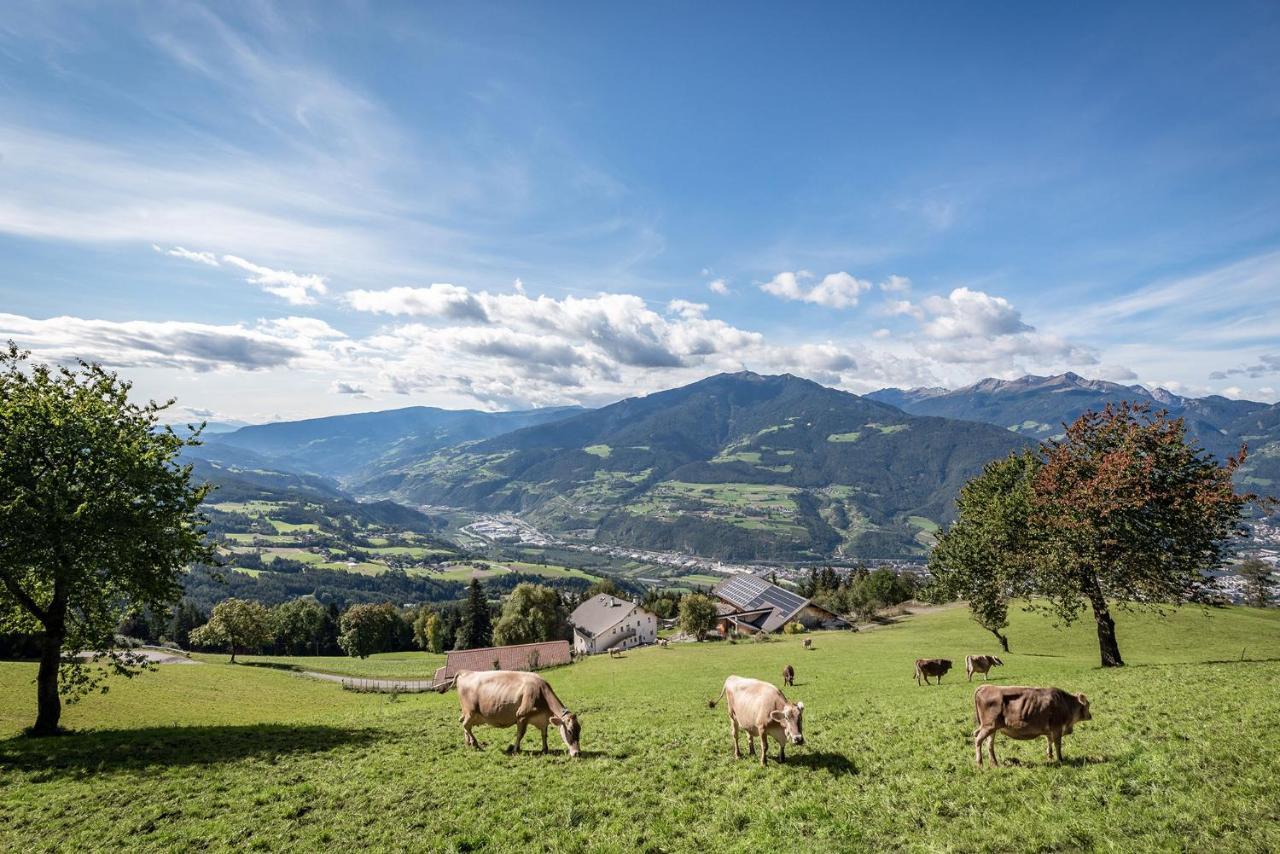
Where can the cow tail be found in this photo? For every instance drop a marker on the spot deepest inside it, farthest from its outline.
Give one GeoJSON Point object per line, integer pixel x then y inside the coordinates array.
{"type": "Point", "coordinates": [711, 704]}
{"type": "Point", "coordinates": [976, 720]}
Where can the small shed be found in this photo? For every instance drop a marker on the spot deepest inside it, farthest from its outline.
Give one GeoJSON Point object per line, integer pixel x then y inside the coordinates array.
{"type": "Point", "coordinates": [524, 656]}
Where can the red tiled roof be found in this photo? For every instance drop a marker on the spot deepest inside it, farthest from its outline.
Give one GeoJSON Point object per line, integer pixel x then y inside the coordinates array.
{"type": "Point", "coordinates": [528, 656]}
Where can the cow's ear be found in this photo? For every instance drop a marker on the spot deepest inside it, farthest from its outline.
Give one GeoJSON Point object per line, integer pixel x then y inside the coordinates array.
{"type": "Point", "coordinates": [1084, 701]}
{"type": "Point", "coordinates": [778, 716]}
{"type": "Point", "coordinates": [556, 720]}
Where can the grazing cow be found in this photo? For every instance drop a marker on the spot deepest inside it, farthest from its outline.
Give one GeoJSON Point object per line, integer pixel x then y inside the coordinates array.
{"type": "Point", "coordinates": [926, 667]}
{"type": "Point", "coordinates": [788, 675]}
{"type": "Point", "coordinates": [980, 664]}
{"type": "Point", "coordinates": [1025, 713]}
{"type": "Point", "coordinates": [504, 698]}
{"type": "Point", "coordinates": [808, 643]}
{"type": "Point", "coordinates": [761, 710]}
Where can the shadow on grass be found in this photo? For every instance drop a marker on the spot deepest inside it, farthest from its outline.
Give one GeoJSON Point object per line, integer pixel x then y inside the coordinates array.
{"type": "Point", "coordinates": [835, 764]}
{"type": "Point", "coordinates": [95, 751]}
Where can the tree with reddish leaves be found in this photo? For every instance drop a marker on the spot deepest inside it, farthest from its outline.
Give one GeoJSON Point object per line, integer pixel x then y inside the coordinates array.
{"type": "Point", "coordinates": [1129, 511]}
{"type": "Point", "coordinates": [1122, 509]}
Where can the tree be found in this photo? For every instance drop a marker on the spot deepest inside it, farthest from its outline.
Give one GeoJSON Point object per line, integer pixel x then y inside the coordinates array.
{"type": "Point", "coordinates": [186, 617]}
{"type": "Point", "coordinates": [428, 631]}
{"type": "Point", "coordinates": [531, 614]}
{"type": "Point", "coordinates": [1258, 581]}
{"type": "Point", "coordinates": [606, 586]}
{"type": "Point", "coordinates": [237, 625]}
{"type": "Point", "coordinates": [367, 629]}
{"type": "Point", "coordinates": [477, 623]}
{"type": "Point", "coordinates": [697, 615]}
{"type": "Point", "coordinates": [298, 625]}
{"type": "Point", "coordinates": [1121, 509]}
{"type": "Point", "coordinates": [1125, 509]}
{"type": "Point", "coordinates": [983, 557]}
{"type": "Point", "coordinates": [96, 517]}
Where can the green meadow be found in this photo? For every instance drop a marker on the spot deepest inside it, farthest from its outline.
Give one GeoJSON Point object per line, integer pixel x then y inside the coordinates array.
{"type": "Point", "coordinates": [1182, 753]}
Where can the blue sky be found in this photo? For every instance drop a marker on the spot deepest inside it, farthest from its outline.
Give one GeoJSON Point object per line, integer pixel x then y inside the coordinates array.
{"type": "Point", "coordinates": [291, 210]}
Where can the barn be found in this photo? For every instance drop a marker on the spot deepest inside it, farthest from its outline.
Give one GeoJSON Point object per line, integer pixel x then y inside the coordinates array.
{"type": "Point", "coordinates": [525, 656]}
{"type": "Point", "coordinates": [747, 604]}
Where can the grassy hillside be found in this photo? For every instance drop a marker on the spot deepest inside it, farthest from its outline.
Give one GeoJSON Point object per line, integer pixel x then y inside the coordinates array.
{"type": "Point", "coordinates": [1182, 753]}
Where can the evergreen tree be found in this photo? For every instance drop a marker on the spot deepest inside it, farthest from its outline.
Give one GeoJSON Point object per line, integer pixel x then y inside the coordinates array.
{"type": "Point", "coordinates": [477, 622]}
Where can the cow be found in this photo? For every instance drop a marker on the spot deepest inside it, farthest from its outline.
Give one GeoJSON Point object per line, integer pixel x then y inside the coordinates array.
{"type": "Point", "coordinates": [980, 664]}
{"type": "Point", "coordinates": [808, 643]}
{"type": "Point", "coordinates": [504, 698]}
{"type": "Point", "coordinates": [926, 667]}
{"type": "Point", "coordinates": [789, 676]}
{"type": "Point", "coordinates": [761, 710]}
{"type": "Point", "coordinates": [1025, 713]}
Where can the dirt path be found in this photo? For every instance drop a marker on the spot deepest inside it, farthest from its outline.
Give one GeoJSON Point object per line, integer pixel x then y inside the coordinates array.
{"type": "Point", "coordinates": [373, 686]}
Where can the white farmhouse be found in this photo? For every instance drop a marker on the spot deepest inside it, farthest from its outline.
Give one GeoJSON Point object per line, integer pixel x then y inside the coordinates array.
{"type": "Point", "coordinates": [606, 622]}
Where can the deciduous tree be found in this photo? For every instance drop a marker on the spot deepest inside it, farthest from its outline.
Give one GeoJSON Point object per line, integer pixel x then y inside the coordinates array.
{"type": "Point", "coordinates": [697, 615]}
{"type": "Point", "coordinates": [368, 629]}
{"type": "Point", "coordinates": [237, 625]}
{"type": "Point", "coordinates": [532, 613]}
{"type": "Point", "coordinates": [96, 517]}
{"type": "Point", "coordinates": [1259, 577]}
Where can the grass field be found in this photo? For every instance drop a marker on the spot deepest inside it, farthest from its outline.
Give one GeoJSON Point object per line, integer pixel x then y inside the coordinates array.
{"type": "Point", "coordinates": [1183, 753]}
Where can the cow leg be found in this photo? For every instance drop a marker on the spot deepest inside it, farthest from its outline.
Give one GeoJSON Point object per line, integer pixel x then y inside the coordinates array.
{"type": "Point", "coordinates": [751, 744]}
{"type": "Point", "coordinates": [782, 751]}
{"type": "Point", "coordinates": [544, 738]}
{"type": "Point", "coordinates": [978, 738]}
{"type": "Point", "coordinates": [1057, 743]}
{"type": "Point", "coordinates": [468, 721]}
{"type": "Point", "coordinates": [1048, 745]}
{"type": "Point", "coordinates": [737, 750]}
{"type": "Point", "coordinates": [521, 726]}
{"type": "Point", "coordinates": [764, 749]}
{"type": "Point", "coordinates": [991, 748]}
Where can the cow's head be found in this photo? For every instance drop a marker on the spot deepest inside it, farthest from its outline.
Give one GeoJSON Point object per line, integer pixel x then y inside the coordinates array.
{"type": "Point", "coordinates": [944, 664]}
{"type": "Point", "coordinates": [570, 730]}
{"type": "Point", "coordinates": [995, 660]}
{"type": "Point", "coordinates": [1082, 714]}
{"type": "Point", "coordinates": [791, 718]}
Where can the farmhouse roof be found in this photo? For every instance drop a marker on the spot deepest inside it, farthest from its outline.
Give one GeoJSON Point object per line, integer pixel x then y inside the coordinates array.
{"type": "Point", "coordinates": [748, 592]}
{"type": "Point", "coordinates": [599, 613]}
{"type": "Point", "coordinates": [525, 656]}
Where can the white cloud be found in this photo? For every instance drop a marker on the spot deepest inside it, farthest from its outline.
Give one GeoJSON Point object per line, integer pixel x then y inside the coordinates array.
{"type": "Point", "coordinates": [207, 258]}
{"type": "Point", "coordinates": [966, 313]}
{"type": "Point", "coordinates": [293, 288]}
{"type": "Point", "coordinates": [686, 309]}
{"type": "Point", "coordinates": [343, 387]}
{"type": "Point", "coordinates": [896, 285]}
{"type": "Point", "coordinates": [439, 300]}
{"type": "Point", "coordinates": [719, 286]}
{"type": "Point", "coordinates": [835, 290]}
{"type": "Point", "coordinates": [881, 333]}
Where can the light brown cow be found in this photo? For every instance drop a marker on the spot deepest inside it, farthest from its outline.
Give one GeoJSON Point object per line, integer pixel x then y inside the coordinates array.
{"type": "Point", "coordinates": [936, 667]}
{"type": "Point", "coordinates": [760, 709]}
{"type": "Point", "coordinates": [980, 664]}
{"type": "Point", "coordinates": [788, 675]}
{"type": "Point", "coordinates": [504, 698]}
{"type": "Point", "coordinates": [1025, 713]}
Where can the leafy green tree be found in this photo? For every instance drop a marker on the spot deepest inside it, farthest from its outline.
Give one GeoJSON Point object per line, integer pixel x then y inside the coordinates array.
{"type": "Point", "coordinates": [238, 625]}
{"type": "Point", "coordinates": [428, 631]}
{"type": "Point", "coordinates": [96, 517]}
{"type": "Point", "coordinates": [984, 557]}
{"type": "Point", "coordinates": [476, 630]}
{"type": "Point", "coordinates": [605, 585]}
{"type": "Point", "coordinates": [298, 625]}
{"type": "Point", "coordinates": [1259, 578]}
{"type": "Point", "coordinates": [531, 614]}
{"type": "Point", "coordinates": [697, 615]}
{"type": "Point", "coordinates": [368, 629]}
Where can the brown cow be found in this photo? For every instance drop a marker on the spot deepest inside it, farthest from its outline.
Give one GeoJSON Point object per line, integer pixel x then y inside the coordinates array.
{"type": "Point", "coordinates": [504, 698]}
{"type": "Point", "coordinates": [926, 667]}
{"type": "Point", "coordinates": [788, 675]}
{"type": "Point", "coordinates": [808, 643]}
{"type": "Point", "coordinates": [980, 664]}
{"type": "Point", "coordinates": [761, 710]}
{"type": "Point", "coordinates": [1025, 713]}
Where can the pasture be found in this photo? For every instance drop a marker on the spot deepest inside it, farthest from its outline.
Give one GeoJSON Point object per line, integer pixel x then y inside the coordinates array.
{"type": "Point", "coordinates": [1183, 753]}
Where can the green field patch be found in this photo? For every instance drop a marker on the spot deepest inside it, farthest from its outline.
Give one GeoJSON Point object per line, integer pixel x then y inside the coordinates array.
{"type": "Point", "coordinates": [887, 429]}
{"type": "Point", "coordinates": [782, 469]}
{"type": "Point", "coordinates": [845, 437]}
{"type": "Point", "coordinates": [291, 553]}
{"type": "Point", "coordinates": [601, 451]}
{"type": "Point", "coordinates": [219, 756]}
{"type": "Point", "coordinates": [737, 457]}
{"type": "Point", "coordinates": [924, 523]}
{"type": "Point", "coordinates": [361, 568]}
{"type": "Point", "coordinates": [293, 528]}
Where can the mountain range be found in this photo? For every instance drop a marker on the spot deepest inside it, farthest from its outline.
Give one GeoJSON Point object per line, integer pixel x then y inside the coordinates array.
{"type": "Point", "coordinates": [738, 466]}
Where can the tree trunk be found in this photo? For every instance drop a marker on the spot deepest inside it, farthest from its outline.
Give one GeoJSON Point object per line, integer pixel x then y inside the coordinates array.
{"type": "Point", "coordinates": [1107, 643]}
{"type": "Point", "coordinates": [48, 703]}
{"type": "Point", "coordinates": [1004, 641]}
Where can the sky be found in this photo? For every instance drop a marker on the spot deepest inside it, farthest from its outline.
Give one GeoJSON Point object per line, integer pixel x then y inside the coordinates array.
{"type": "Point", "coordinates": [290, 210]}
